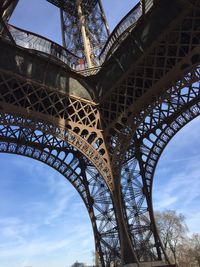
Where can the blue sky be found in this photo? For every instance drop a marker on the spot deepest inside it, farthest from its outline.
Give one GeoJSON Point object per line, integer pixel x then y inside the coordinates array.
{"type": "Point", "coordinates": [42, 218]}
{"type": "Point", "coordinates": [43, 222]}
{"type": "Point", "coordinates": [177, 177]}
{"type": "Point", "coordinates": [41, 17]}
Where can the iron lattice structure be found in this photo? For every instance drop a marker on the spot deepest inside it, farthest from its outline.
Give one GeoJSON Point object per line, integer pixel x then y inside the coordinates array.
{"type": "Point", "coordinates": [84, 28]}
{"type": "Point", "coordinates": [106, 131]}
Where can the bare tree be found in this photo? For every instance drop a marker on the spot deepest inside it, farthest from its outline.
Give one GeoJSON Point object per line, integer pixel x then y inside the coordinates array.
{"type": "Point", "coordinates": [172, 230]}
{"type": "Point", "coordinates": [184, 257]}
{"type": "Point", "coordinates": [195, 248]}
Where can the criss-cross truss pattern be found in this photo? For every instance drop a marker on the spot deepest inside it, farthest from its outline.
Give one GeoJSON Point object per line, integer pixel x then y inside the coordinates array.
{"type": "Point", "coordinates": [170, 56]}
{"type": "Point", "coordinates": [83, 16]}
{"type": "Point", "coordinates": [105, 133]}
{"type": "Point", "coordinates": [45, 143]}
{"type": "Point", "coordinates": [142, 156]}
{"type": "Point", "coordinates": [82, 116]}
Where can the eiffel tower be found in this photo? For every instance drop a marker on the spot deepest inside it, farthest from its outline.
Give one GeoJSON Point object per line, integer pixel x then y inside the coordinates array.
{"type": "Point", "coordinates": [101, 108]}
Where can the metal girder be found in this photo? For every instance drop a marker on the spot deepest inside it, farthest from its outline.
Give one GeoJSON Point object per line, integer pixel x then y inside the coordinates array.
{"type": "Point", "coordinates": [66, 112]}
{"type": "Point", "coordinates": [36, 140]}
{"type": "Point", "coordinates": [165, 60]}
{"type": "Point", "coordinates": [6, 8]}
{"type": "Point", "coordinates": [5, 31]}
{"type": "Point", "coordinates": [71, 7]}
{"type": "Point", "coordinates": [139, 205]}
{"type": "Point", "coordinates": [106, 140]}
{"type": "Point", "coordinates": [84, 29]}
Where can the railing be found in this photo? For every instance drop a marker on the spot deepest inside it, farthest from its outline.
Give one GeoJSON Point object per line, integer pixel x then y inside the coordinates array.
{"type": "Point", "coordinates": [124, 27]}
{"type": "Point", "coordinates": [36, 42]}
{"type": "Point", "coordinates": [39, 43]}
{"type": "Point", "coordinates": [147, 5]}
{"type": "Point", "coordinates": [88, 72]}
{"type": "Point", "coordinates": [127, 23]}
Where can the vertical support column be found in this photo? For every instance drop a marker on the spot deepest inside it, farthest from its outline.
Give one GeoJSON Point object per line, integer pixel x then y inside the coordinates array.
{"type": "Point", "coordinates": [98, 250]}
{"type": "Point", "coordinates": [84, 28]}
{"type": "Point", "coordinates": [143, 3]}
{"type": "Point", "coordinates": [7, 8]}
{"type": "Point", "coordinates": [62, 29]}
{"type": "Point", "coordinates": [148, 196]}
{"type": "Point", "coordinates": [86, 42]}
{"type": "Point", "coordinates": [127, 252]}
{"type": "Point", "coordinates": [104, 17]}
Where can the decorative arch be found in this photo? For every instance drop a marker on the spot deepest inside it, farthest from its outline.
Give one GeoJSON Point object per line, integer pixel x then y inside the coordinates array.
{"type": "Point", "coordinates": [45, 143]}
{"type": "Point", "coordinates": [133, 104]}
{"type": "Point", "coordinates": [73, 118]}
{"type": "Point", "coordinates": [147, 145]}
{"type": "Point", "coordinates": [143, 170]}
{"type": "Point", "coordinates": [164, 137]}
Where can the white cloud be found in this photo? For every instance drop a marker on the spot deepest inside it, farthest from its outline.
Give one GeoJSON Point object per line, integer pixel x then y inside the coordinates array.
{"type": "Point", "coordinates": [35, 248]}
{"type": "Point", "coordinates": [15, 231]}
{"type": "Point", "coordinates": [53, 222]}
{"type": "Point", "coordinates": [75, 241]}
{"type": "Point", "coordinates": [58, 210]}
{"type": "Point", "coordinates": [182, 187]}
{"type": "Point", "coordinates": [177, 177]}
{"type": "Point", "coordinates": [193, 219]}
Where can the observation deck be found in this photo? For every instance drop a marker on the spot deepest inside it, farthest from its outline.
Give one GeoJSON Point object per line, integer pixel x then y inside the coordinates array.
{"type": "Point", "coordinates": [111, 59]}
{"type": "Point", "coordinates": [33, 41]}
{"type": "Point", "coordinates": [40, 44]}
{"type": "Point", "coordinates": [114, 123]}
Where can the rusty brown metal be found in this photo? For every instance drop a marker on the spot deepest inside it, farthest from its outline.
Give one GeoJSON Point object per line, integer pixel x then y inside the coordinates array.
{"type": "Point", "coordinates": [105, 128]}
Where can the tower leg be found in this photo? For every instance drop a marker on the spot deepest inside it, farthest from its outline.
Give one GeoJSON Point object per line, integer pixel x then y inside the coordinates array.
{"type": "Point", "coordinates": [86, 42]}
{"type": "Point", "coordinates": [127, 252]}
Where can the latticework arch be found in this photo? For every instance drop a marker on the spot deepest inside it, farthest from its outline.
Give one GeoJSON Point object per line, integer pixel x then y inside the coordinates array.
{"type": "Point", "coordinates": [52, 149]}
{"type": "Point", "coordinates": [148, 143]}
{"type": "Point", "coordinates": [114, 124]}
